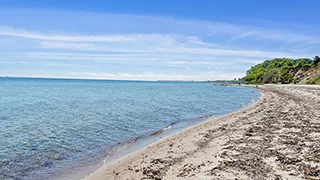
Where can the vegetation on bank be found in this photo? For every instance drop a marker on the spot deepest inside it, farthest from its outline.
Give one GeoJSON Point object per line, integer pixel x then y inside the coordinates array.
{"type": "Point", "coordinates": [285, 71]}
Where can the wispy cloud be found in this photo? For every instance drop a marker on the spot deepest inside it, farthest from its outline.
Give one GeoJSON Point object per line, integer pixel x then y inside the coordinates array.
{"type": "Point", "coordinates": [273, 35]}
{"type": "Point", "coordinates": [189, 55]}
{"type": "Point", "coordinates": [8, 31]}
{"type": "Point", "coordinates": [140, 47]}
{"type": "Point", "coordinates": [154, 76]}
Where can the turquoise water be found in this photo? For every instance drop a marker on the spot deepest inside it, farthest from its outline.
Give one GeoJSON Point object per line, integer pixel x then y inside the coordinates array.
{"type": "Point", "coordinates": [50, 125]}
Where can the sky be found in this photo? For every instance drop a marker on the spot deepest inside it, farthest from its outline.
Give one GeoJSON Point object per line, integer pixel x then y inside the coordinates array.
{"type": "Point", "coordinates": [152, 40]}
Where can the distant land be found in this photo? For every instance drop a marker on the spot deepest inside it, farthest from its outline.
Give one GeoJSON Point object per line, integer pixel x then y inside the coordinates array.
{"type": "Point", "coordinates": [53, 78]}
{"type": "Point", "coordinates": [285, 71]}
{"type": "Point", "coordinates": [274, 71]}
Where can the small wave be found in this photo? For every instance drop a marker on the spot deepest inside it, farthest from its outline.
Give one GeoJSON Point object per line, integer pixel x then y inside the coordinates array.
{"type": "Point", "coordinates": [203, 117]}
{"type": "Point", "coordinates": [122, 146]}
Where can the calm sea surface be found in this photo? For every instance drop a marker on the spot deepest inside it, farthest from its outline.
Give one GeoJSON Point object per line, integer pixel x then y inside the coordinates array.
{"type": "Point", "coordinates": [49, 125]}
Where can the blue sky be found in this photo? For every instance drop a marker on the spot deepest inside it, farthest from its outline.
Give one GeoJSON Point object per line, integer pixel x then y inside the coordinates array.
{"type": "Point", "coordinates": [152, 40]}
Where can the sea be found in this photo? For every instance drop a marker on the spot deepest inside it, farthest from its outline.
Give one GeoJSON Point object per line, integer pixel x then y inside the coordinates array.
{"type": "Point", "coordinates": [51, 127]}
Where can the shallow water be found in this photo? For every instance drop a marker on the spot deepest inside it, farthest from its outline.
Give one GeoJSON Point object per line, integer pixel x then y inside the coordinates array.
{"type": "Point", "coordinates": [49, 125]}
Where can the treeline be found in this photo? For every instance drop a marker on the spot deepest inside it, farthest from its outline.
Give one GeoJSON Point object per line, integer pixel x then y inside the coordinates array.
{"type": "Point", "coordinates": [285, 71]}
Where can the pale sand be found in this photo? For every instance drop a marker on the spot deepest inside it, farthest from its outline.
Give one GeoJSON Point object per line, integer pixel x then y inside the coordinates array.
{"type": "Point", "coordinates": [276, 138]}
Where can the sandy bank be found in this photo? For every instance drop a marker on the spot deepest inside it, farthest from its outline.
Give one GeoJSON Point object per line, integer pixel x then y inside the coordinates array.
{"type": "Point", "coordinates": [277, 138]}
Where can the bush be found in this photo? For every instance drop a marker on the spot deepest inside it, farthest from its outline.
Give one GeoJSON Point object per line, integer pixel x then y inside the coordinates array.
{"type": "Point", "coordinates": [316, 60]}
{"type": "Point", "coordinates": [278, 70]}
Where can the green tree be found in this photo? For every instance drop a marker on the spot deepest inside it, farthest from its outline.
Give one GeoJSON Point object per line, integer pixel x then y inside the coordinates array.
{"type": "Point", "coordinates": [316, 60]}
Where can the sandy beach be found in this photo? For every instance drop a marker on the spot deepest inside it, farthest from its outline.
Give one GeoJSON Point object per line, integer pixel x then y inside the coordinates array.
{"type": "Point", "coordinates": [276, 138]}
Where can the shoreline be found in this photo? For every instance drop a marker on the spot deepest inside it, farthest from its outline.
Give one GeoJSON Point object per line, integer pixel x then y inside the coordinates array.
{"type": "Point", "coordinates": [120, 150]}
{"type": "Point", "coordinates": [275, 138]}
{"type": "Point", "coordinates": [133, 145]}
{"type": "Point", "coordinates": [159, 137]}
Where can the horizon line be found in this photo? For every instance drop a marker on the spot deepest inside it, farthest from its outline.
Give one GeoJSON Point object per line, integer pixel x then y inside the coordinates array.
{"type": "Point", "coordinates": [75, 78]}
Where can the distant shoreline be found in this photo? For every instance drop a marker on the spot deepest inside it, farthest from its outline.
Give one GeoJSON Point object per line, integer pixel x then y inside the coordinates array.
{"type": "Point", "coordinates": [123, 80]}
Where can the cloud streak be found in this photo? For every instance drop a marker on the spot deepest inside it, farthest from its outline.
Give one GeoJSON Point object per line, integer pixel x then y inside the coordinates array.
{"type": "Point", "coordinates": [141, 47]}
{"type": "Point", "coordinates": [273, 35]}
{"type": "Point", "coordinates": [153, 76]}
{"type": "Point", "coordinates": [8, 31]}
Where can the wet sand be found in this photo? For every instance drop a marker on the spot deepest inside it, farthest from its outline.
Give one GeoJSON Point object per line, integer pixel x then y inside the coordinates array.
{"type": "Point", "coordinates": [276, 138]}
